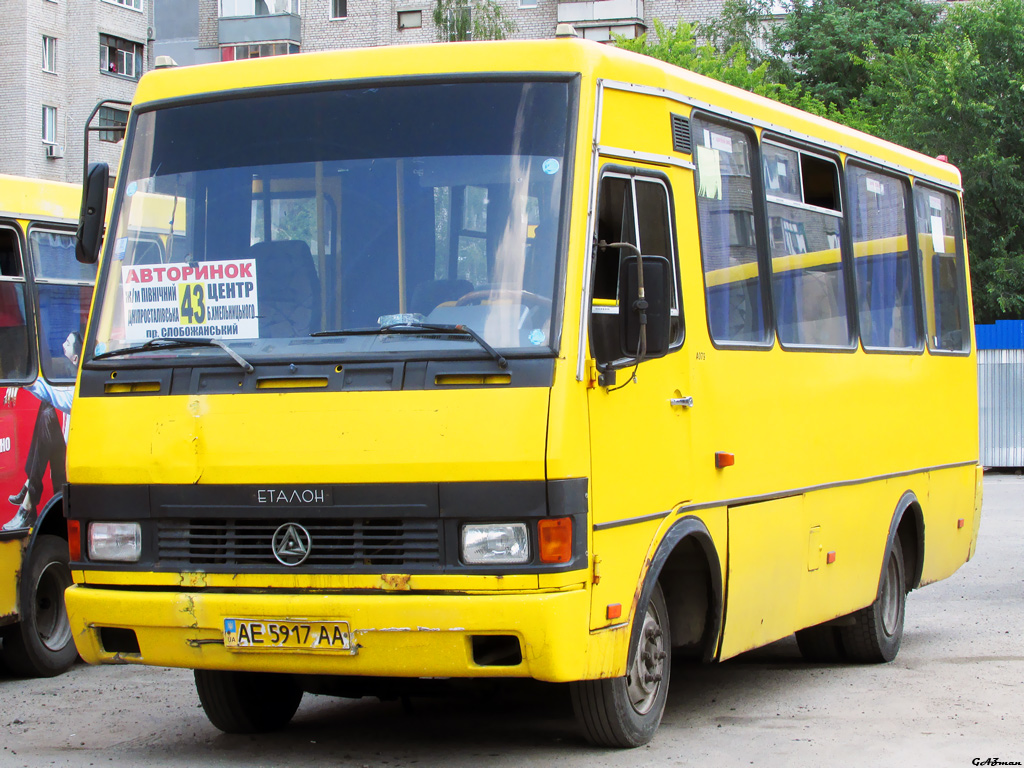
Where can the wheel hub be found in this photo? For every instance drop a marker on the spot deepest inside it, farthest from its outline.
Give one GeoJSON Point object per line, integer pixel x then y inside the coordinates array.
{"type": "Point", "coordinates": [648, 668]}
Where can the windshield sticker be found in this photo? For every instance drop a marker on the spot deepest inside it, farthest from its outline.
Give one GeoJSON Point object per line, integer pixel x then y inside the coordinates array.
{"type": "Point", "coordinates": [536, 337]}
{"type": "Point", "coordinates": [214, 299]}
{"type": "Point", "coordinates": [131, 189]}
{"type": "Point", "coordinates": [120, 246]}
{"type": "Point", "coordinates": [550, 166]}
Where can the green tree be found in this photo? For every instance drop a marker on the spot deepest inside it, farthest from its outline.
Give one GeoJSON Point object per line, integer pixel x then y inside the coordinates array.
{"type": "Point", "coordinates": [960, 93]}
{"type": "Point", "coordinates": [825, 45]}
{"type": "Point", "coordinates": [679, 46]}
{"type": "Point", "coordinates": [741, 22]}
{"type": "Point", "coordinates": [458, 20]}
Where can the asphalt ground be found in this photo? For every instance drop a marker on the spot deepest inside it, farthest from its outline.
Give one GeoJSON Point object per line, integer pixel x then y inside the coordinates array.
{"type": "Point", "coordinates": [953, 697]}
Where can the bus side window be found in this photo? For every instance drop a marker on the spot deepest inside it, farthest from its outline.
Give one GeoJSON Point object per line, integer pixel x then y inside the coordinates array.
{"type": "Point", "coordinates": [733, 279]}
{"type": "Point", "coordinates": [64, 287]}
{"type": "Point", "coordinates": [805, 226]}
{"type": "Point", "coordinates": [942, 264]}
{"type": "Point", "coordinates": [15, 359]}
{"type": "Point", "coordinates": [886, 287]}
{"type": "Point", "coordinates": [633, 210]}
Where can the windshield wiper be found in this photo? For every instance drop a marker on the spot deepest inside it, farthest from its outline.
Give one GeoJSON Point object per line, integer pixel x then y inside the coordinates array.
{"type": "Point", "coordinates": [421, 328]}
{"type": "Point", "coordinates": [162, 342]}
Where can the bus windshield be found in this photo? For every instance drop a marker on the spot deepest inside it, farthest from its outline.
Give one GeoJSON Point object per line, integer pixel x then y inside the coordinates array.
{"type": "Point", "coordinates": [328, 216]}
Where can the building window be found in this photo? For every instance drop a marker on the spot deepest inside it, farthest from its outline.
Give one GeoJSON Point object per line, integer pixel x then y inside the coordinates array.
{"type": "Point", "coordinates": [527, 3]}
{"type": "Point", "coordinates": [410, 19]}
{"type": "Point", "coordinates": [136, 4]}
{"type": "Point", "coordinates": [49, 125]}
{"type": "Point", "coordinates": [120, 57]}
{"type": "Point", "coordinates": [112, 118]}
{"type": "Point", "coordinates": [236, 8]}
{"type": "Point", "coordinates": [257, 51]}
{"type": "Point", "coordinates": [49, 54]}
{"type": "Point", "coordinates": [339, 9]}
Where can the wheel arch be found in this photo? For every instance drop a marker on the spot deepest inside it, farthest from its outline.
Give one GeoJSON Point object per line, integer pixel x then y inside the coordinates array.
{"type": "Point", "coordinates": [907, 523]}
{"type": "Point", "coordinates": [686, 549]}
{"type": "Point", "coordinates": [51, 520]}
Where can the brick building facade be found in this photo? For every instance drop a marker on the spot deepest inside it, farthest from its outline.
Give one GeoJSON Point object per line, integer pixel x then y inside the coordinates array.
{"type": "Point", "coordinates": [243, 28]}
{"type": "Point", "coordinates": [58, 58]}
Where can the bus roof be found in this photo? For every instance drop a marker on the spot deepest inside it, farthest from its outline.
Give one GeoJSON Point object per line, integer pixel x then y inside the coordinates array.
{"type": "Point", "coordinates": [38, 199]}
{"type": "Point", "coordinates": [571, 55]}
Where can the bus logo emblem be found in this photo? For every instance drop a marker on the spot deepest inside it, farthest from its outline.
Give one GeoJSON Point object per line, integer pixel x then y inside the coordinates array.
{"type": "Point", "coordinates": [291, 544]}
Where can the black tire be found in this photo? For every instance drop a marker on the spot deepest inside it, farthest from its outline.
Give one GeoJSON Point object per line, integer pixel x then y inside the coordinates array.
{"type": "Point", "coordinates": [626, 711]}
{"type": "Point", "coordinates": [820, 644]}
{"type": "Point", "coordinates": [248, 702]}
{"type": "Point", "coordinates": [41, 645]}
{"type": "Point", "coordinates": [875, 636]}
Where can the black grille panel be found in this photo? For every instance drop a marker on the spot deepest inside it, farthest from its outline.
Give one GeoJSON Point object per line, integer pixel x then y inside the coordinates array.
{"type": "Point", "coordinates": [335, 543]}
{"type": "Point", "coordinates": [681, 134]}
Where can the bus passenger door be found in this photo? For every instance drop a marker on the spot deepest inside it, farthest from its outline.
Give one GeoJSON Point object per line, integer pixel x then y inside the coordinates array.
{"type": "Point", "coordinates": [639, 426]}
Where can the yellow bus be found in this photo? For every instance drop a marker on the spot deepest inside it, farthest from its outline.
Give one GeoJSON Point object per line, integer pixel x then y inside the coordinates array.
{"type": "Point", "coordinates": [44, 304]}
{"type": "Point", "coordinates": [523, 359]}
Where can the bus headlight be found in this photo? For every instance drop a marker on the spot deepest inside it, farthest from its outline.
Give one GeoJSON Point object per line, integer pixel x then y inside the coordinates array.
{"type": "Point", "coordinates": [495, 543]}
{"type": "Point", "coordinates": [119, 542]}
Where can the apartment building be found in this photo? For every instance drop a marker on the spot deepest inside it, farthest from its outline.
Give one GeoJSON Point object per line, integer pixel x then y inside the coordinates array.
{"type": "Point", "coordinates": [58, 58]}
{"type": "Point", "coordinates": [226, 30]}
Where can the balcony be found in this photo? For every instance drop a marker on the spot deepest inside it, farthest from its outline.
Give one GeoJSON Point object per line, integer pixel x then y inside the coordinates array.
{"type": "Point", "coordinates": [598, 19]}
{"type": "Point", "coordinates": [257, 21]}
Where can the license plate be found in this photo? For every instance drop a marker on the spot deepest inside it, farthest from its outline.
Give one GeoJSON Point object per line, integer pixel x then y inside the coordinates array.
{"type": "Point", "coordinates": [300, 634]}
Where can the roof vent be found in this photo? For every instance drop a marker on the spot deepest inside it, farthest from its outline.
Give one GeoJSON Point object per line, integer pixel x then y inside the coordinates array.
{"type": "Point", "coordinates": [165, 62]}
{"type": "Point", "coordinates": [565, 30]}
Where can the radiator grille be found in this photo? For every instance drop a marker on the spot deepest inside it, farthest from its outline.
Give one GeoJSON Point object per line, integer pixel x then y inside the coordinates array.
{"type": "Point", "coordinates": [335, 543]}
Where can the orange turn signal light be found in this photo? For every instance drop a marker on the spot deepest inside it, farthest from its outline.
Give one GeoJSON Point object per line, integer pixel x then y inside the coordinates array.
{"type": "Point", "coordinates": [614, 611]}
{"type": "Point", "coordinates": [830, 557]}
{"type": "Point", "coordinates": [554, 536]}
{"type": "Point", "coordinates": [723, 459]}
{"type": "Point", "coordinates": [74, 540]}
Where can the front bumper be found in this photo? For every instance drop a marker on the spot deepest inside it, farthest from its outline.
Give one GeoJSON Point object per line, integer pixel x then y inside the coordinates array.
{"type": "Point", "coordinates": [396, 634]}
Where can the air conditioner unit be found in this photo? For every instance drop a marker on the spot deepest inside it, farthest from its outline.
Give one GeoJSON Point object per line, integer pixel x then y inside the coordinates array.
{"type": "Point", "coordinates": [54, 151]}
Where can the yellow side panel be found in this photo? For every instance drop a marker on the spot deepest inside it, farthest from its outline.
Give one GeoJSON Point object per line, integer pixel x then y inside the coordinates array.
{"type": "Point", "coordinates": [767, 560]}
{"type": "Point", "coordinates": [618, 570]}
{"type": "Point", "coordinates": [852, 525]}
{"type": "Point", "coordinates": [10, 568]}
{"type": "Point", "coordinates": [947, 540]}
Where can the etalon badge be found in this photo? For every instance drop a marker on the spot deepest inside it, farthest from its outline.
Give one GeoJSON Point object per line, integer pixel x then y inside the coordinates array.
{"type": "Point", "coordinates": [291, 544]}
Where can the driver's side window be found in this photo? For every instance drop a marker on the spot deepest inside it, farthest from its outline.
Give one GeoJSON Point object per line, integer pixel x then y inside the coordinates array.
{"type": "Point", "coordinates": [636, 210]}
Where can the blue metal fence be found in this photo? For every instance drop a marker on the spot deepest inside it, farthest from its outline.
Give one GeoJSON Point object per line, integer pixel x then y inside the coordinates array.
{"type": "Point", "coordinates": [1003, 334]}
{"type": "Point", "coordinates": [1001, 393]}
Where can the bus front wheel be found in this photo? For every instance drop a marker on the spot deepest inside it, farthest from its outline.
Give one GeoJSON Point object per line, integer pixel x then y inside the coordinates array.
{"type": "Point", "coordinates": [626, 711]}
{"type": "Point", "coordinates": [40, 645]}
{"type": "Point", "coordinates": [875, 635]}
{"type": "Point", "coordinates": [247, 702]}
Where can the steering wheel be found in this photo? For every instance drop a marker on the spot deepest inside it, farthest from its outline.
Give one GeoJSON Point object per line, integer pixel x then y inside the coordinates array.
{"type": "Point", "coordinates": [505, 295]}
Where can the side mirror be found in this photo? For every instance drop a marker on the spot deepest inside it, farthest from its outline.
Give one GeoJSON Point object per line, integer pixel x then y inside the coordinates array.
{"type": "Point", "coordinates": [653, 312]}
{"type": "Point", "coordinates": [93, 214]}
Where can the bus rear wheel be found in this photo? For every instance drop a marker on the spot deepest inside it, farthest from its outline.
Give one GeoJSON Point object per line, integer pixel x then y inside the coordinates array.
{"type": "Point", "coordinates": [626, 711]}
{"type": "Point", "coordinates": [40, 645]}
{"type": "Point", "coordinates": [877, 631]}
{"type": "Point", "coordinates": [248, 702]}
